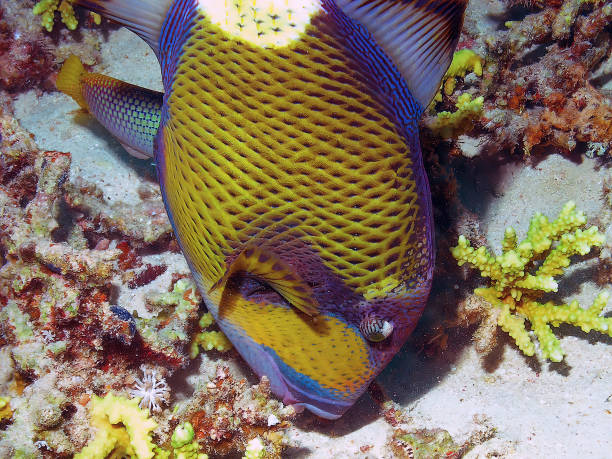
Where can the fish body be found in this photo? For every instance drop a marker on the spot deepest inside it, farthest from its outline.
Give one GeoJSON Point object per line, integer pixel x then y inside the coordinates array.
{"type": "Point", "coordinates": [288, 157]}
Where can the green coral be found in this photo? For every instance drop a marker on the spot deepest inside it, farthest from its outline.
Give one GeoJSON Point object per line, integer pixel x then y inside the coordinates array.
{"type": "Point", "coordinates": [453, 124]}
{"type": "Point", "coordinates": [208, 340]}
{"type": "Point", "coordinates": [123, 429]}
{"type": "Point", "coordinates": [46, 9]}
{"type": "Point", "coordinates": [526, 270]}
{"type": "Point", "coordinates": [255, 449]}
{"type": "Point", "coordinates": [182, 435]}
{"type": "Point", "coordinates": [183, 444]}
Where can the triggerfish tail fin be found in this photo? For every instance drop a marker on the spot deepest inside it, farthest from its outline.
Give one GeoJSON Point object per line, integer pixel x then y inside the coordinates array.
{"type": "Point", "coordinates": [419, 35]}
{"type": "Point", "coordinates": [69, 80]}
{"type": "Point", "coordinates": [131, 113]}
{"type": "Point", "coordinates": [270, 269]}
{"type": "Point", "coordinates": [143, 17]}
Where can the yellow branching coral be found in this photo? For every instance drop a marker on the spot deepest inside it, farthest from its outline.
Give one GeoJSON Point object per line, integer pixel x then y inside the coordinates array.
{"type": "Point", "coordinates": [464, 61]}
{"type": "Point", "coordinates": [208, 340]}
{"type": "Point", "coordinates": [453, 124]}
{"type": "Point", "coordinates": [5, 408]}
{"type": "Point", "coordinates": [525, 270]}
{"type": "Point", "coordinates": [46, 9]}
{"type": "Point", "coordinates": [123, 429]}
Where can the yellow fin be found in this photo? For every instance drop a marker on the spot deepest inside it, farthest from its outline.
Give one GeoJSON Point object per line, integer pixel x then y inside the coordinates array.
{"type": "Point", "coordinates": [69, 80]}
{"type": "Point", "coordinates": [269, 268]}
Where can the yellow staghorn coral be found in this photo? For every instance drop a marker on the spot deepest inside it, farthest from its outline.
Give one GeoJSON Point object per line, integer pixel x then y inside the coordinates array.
{"type": "Point", "coordinates": [525, 270]}
{"type": "Point", "coordinates": [123, 429]}
{"type": "Point", "coordinates": [453, 124]}
{"type": "Point", "coordinates": [46, 9]}
{"type": "Point", "coordinates": [464, 61]}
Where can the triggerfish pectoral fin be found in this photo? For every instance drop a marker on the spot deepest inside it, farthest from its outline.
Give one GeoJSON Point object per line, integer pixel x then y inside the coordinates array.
{"type": "Point", "coordinates": [420, 37]}
{"type": "Point", "coordinates": [269, 268]}
{"type": "Point", "coordinates": [131, 113]}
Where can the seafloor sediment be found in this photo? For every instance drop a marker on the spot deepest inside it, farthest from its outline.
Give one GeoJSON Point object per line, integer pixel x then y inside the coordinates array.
{"type": "Point", "coordinates": [95, 294]}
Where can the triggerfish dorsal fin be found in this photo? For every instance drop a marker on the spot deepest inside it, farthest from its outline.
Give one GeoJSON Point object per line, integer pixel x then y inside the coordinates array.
{"type": "Point", "coordinates": [269, 268]}
{"type": "Point", "coordinates": [143, 17]}
{"type": "Point", "coordinates": [69, 80]}
{"type": "Point", "coordinates": [419, 35]}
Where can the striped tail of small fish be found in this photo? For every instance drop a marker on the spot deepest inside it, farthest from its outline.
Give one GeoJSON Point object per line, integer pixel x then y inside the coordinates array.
{"type": "Point", "coordinates": [69, 80]}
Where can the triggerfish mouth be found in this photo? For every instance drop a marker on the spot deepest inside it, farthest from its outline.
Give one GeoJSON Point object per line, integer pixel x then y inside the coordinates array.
{"type": "Point", "coordinates": [286, 145]}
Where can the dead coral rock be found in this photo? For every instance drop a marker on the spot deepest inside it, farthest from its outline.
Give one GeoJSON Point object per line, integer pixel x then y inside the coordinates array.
{"type": "Point", "coordinates": [227, 413]}
{"type": "Point", "coordinates": [29, 56]}
{"type": "Point", "coordinates": [143, 223]}
{"type": "Point", "coordinates": [167, 334]}
{"type": "Point", "coordinates": [426, 443]}
{"type": "Point", "coordinates": [24, 62]}
{"type": "Point", "coordinates": [536, 80]}
{"type": "Point", "coordinates": [585, 117]}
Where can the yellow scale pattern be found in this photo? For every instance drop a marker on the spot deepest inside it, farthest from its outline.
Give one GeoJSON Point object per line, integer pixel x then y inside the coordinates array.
{"type": "Point", "coordinates": [338, 362]}
{"type": "Point", "coordinates": [256, 141]}
{"type": "Point", "coordinates": [259, 139]}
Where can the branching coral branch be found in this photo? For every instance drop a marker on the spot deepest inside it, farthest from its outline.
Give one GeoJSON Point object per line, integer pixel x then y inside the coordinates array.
{"type": "Point", "coordinates": [123, 429]}
{"type": "Point", "coordinates": [526, 270]}
{"type": "Point", "coordinates": [46, 9]}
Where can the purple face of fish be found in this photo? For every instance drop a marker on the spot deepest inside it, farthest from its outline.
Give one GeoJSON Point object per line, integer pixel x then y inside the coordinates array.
{"type": "Point", "coordinates": [287, 149]}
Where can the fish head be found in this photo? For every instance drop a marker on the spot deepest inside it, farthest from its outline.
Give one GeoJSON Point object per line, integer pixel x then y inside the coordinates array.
{"type": "Point", "coordinates": [296, 321]}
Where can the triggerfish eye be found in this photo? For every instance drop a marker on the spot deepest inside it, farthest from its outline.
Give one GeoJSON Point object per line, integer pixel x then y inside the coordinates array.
{"type": "Point", "coordinates": [287, 149]}
{"type": "Point", "coordinates": [374, 329]}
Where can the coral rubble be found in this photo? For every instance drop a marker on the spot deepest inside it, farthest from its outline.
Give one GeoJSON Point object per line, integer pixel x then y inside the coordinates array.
{"type": "Point", "coordinates": [93, 311]}
{"type": "Point", "coordinates": [535, 79]}
{"type": "Point", "coordinates": [29, 56]}
{"type": "Point", "coordinates": [226, 413]}
{"type": "Point", "coordinates": [71, 346]}
{"type": "Point", "coordinates": [410, 442]}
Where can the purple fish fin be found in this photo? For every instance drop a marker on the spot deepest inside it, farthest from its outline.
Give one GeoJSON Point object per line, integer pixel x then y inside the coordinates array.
{"type": "Point", "coordinates": [136, 152]}
{"type": "Point", "coordinates": [420, 36]}
{"type": "Point", "coordinates": [266, 266]}
{"type": "Point", "coordinates": [143, 17]}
